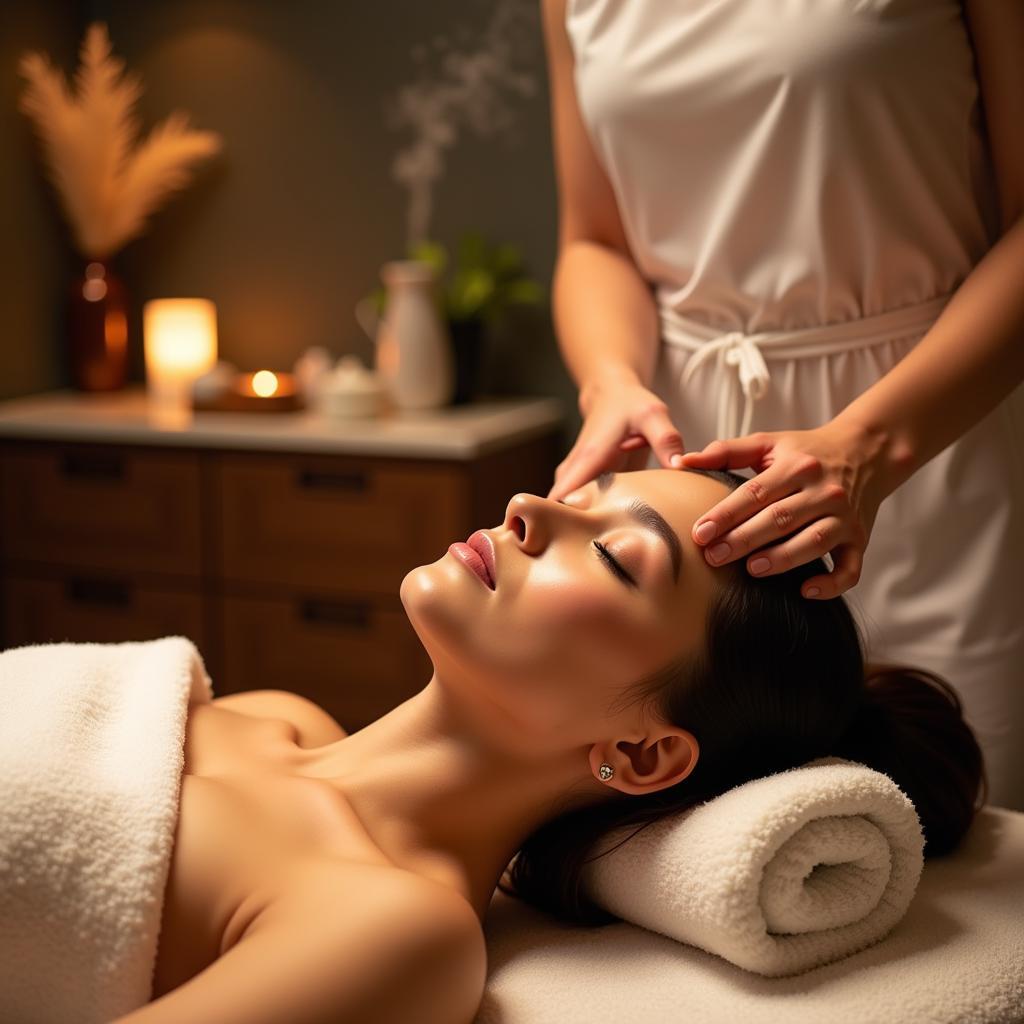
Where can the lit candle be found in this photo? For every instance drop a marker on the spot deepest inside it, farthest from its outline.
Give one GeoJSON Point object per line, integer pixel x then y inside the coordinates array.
{"type": "Point", "coordinates": [180, 343]}
{"type": "Point", "coordinates": [264, 383]}
{"type": "Point", "coordinates": [265, 390]}
{"type": "Point", "coordinates": [267, 384]}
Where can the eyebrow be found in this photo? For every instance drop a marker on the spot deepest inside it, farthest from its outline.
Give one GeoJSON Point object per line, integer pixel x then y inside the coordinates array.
{"type": "Point", "coordinates": [650, 518]}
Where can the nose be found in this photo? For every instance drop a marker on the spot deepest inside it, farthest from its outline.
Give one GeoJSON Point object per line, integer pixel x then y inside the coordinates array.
{"type": "Point", "coordinates": [531, 518]}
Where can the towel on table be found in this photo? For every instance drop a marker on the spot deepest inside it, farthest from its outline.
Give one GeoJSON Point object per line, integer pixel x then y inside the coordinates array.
{"type": "Point", "coordinates": [91, 755]}
{"type": "Point", "coordinates": [778, 875]}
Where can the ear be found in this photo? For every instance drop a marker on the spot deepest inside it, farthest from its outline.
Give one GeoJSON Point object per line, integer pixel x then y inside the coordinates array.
{"type": "Point", "coordinates": [659, 760]}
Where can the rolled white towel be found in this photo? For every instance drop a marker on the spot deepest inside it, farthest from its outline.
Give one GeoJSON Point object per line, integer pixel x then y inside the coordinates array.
{"type": "Point", "coordinates": [778, 875]}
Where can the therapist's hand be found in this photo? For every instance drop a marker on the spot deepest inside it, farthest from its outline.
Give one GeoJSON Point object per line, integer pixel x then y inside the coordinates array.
{"type": "Point", "coordinates": [622, 423]}
{"type": "Point", "coordinates": [829, 480]}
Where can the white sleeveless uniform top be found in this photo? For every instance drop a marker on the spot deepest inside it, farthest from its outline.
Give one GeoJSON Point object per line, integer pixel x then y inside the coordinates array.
{"type": "Point", "coordinates": [805, 184]}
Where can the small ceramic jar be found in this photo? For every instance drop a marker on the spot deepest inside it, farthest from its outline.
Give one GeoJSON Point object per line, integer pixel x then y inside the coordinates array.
{"type": "Point", "coordinates": [311, 368]}
{"type": "Point", "coordinates": [350, 390]}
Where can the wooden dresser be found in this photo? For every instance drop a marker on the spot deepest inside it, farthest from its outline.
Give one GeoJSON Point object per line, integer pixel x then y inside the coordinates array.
{"type": "Point", "coordinates": [277, 542]}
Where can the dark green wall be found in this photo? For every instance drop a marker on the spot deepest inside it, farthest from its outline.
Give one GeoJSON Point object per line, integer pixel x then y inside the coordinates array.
{"type": "Point", "coordinates": [289, 226]}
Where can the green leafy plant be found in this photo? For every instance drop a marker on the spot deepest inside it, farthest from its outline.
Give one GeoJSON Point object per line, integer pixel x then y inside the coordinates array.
{"type": "Point", "coordinates": [483, 281]}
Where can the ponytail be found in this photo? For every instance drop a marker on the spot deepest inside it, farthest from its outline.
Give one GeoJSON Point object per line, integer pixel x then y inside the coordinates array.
{"type": "Point", "coordinates": [910, 726]}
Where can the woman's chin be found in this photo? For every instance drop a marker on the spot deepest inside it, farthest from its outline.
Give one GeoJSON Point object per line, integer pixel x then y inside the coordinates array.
{"type": "Point", "coordinates": [430, 582]}
{"type": "Point", "coordinates": [437, 606]}
{"type": "Point", "coordinates": [446, 580]}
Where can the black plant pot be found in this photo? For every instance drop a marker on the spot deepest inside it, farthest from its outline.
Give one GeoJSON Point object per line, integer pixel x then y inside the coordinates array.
{"type": "Point", "coordinates": [467, 345]}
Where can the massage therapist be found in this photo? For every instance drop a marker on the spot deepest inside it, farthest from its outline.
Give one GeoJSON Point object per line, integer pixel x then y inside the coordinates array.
{"type": "Point", "coordinates": [790, 239]}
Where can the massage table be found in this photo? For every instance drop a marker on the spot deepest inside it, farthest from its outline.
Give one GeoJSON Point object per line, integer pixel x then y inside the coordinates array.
{"type": "Point", "coordinates": [956, 956]}
{"type": "Point", "coordinates": [91, 759]}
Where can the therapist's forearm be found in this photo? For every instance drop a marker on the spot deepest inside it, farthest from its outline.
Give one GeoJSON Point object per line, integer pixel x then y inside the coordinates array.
{"type": "Point", "coordinates": [969, 360]}
{"type": "Point", "coordinates": [605, 317]}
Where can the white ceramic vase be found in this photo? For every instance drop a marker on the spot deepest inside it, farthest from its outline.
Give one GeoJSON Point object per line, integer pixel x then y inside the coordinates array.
{"type": "Point", "coordinates": [413, 346]}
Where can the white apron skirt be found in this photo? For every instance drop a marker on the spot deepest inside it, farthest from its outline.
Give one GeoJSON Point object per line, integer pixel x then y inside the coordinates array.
{"type": "Point", "coordinates": [942, 583]}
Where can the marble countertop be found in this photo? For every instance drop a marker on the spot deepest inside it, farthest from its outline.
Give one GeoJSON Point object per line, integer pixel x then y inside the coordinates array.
{"type": "Point", "coordinates": [128, 417]}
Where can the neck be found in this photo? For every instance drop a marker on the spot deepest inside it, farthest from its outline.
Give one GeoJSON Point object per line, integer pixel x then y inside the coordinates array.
{"type": "Point", "coordinates": [442, 790]}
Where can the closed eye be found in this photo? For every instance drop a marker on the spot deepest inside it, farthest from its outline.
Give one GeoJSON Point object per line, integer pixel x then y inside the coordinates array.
{"type": "Point", "coordinates": [605, 556]}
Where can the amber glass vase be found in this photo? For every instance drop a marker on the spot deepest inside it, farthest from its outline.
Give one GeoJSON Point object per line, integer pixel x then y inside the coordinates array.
{"type": "Point", "coordinates": [98, 328]}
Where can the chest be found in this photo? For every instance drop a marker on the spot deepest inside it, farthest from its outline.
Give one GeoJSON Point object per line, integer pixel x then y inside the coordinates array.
{"type": "Point", "coordinates": [733, 75]}
{"type": "Point", "coordinates": [248, 830]}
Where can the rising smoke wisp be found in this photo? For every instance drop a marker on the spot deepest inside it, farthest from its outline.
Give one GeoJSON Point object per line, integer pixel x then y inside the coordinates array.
{"type": "Point", "coordinates": [475, 87]}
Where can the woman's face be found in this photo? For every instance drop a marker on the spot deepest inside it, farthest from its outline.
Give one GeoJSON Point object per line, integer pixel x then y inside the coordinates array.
{"type": "Point", "coordinates": [562, 635]}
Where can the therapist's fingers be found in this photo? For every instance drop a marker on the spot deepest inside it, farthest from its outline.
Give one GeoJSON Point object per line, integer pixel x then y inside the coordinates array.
{"type": "Point", "coordinates": [583, 472]}
{"type": "Point", "coordinates": [595, 451]}
{"type": "Point", "coordinates": [787, 499]}
{"type": "Point", "coordinates": [776, 520]}
{"type": "Point", "coordinates": [734, 453]}
{"type": "Point", "coordinates": [732, 514]}
{"type": "Point", "coordinates": [633, 460]}
{"type": "Point", "coordinates": [619, 421]}
{"type": "Point", "coordinates": [633, 442]}
{"type": "Point", "coordinates": [847, 562]}
{"type": "Point", "coordinates": [661, 433]}
{"type": "Point", "coordinates": [633, 453]}
{"type": "Point", "coordinates": [817, 538]}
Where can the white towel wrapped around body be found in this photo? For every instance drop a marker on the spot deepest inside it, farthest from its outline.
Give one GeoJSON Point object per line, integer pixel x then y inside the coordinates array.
{"type": "Point", "coordinates": [91, 755]}
{"type": "Point", "coordinates": [778, 875]}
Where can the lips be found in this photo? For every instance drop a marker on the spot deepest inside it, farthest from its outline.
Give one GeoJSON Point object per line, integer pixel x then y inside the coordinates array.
{"type": "Point", "coordinates": [482, 544]}
{"type": "Point", "coordinates": [473, 561]}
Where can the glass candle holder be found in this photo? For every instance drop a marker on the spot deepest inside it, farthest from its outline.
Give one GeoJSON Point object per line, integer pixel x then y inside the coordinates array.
{"type": "Point", "coordinates": [180, 338]}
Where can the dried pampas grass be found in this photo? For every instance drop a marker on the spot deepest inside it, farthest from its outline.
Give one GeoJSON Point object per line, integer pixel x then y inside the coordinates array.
{"type": "Point", "coordinates": [107, 186]}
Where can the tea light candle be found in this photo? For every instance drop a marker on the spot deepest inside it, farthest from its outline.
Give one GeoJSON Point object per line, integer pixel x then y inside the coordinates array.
{"type": "Point", "coordinates": [264, 391]}
{"type": "Point", "coordinates": [267, 384]}
{"type": "Point", "coordinates": [259, 391]}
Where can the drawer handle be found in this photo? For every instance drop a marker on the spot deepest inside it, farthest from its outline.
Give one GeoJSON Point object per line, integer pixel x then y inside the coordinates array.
{"type": "Point", "coordinates": [339, 613]}
{"type": "Point", "coordinates": [108, 592]}
{"type": "Point", "coordinates": [312, 478]}
{"type": "Point", "coordinates": [92, 466]}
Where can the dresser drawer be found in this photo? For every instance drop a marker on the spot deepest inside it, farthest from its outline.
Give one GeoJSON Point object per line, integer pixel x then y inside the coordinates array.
{"type": "Point", "coordinates": [95, 609]}
{"type": "Point", "coordinates": [103, 507]}
{"type": "Point", "coordinates": [343, 523]}
{"type": "Point", "coordinates": [357, 659]}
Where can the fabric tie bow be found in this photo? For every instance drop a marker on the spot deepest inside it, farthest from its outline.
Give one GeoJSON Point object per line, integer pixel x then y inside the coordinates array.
{"type": "Point", "coordinates": [739, 350]}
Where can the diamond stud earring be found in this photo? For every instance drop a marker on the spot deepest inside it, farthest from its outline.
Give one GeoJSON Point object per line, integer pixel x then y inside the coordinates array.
{"type": "Point", "coordinates": [606, 771]}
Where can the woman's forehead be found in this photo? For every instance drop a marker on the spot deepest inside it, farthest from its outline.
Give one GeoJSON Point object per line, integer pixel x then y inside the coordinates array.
{"type": "Point", "coordinates": [680, 495]}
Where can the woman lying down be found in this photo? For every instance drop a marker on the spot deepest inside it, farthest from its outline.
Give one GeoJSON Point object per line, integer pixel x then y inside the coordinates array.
{"type": "Point", "coordinates": [597, 673]}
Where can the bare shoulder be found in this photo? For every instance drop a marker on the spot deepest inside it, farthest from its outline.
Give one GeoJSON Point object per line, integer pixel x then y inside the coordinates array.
{"type": "Point", "coordinates": [393, 947]}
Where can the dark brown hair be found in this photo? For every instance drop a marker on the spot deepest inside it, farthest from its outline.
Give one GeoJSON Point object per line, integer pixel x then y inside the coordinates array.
{"type": "Point", "coordinates": [780, 680]}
